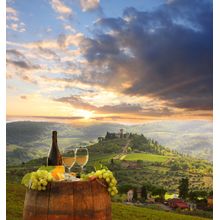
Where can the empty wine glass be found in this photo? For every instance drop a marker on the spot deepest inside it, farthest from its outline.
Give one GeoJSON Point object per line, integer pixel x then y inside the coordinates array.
{"type": "Point", "coordinates": [69, 159]}
{"type": "Point", "coordinates": [82, 157]}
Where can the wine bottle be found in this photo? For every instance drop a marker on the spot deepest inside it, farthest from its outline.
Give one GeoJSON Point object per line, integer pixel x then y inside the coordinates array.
{"type": "Point", "coordinates": [54, 157]}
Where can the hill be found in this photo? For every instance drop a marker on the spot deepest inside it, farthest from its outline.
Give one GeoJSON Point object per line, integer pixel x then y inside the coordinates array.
{"type": "Point", "coordinates": [27, 140]}
{"type": "Point", "coordinates": [137, 160]}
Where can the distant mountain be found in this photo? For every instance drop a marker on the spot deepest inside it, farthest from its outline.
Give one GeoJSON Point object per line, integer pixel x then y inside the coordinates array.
{"type": "Point", "coordinates": [27, 140]}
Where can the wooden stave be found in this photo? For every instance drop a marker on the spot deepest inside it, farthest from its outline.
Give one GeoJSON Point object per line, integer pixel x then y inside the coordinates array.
{"type": "Point", "coordinates": [96, 204]}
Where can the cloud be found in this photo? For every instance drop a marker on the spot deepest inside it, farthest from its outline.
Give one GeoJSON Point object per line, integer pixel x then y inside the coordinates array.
{"type": "Point", "coordinates": [88, 5]}
{"type": "Point", "coordinates": [77, 102]}
{"type": "Point", "coordinates": [157, 63]}
{"type": "Point", "coordinates": [17, 59]}
{"type": "Point", "coordinates": [48, 54]}
{"type": "Point", "coordinates": [170, 1]}
{"type": "Point", "coordinates": [122, 109]}
{"type": "Point", "coordinates": [61, 8]}
{"type": "Point", "coordinates": [13, 21]}
{"type": "Point", "coordinates": [11, 14]}
{"type": "Point", "coordinates": [23, 97]}
{"type": "Point", "coordinates": [165, 53]}
{"type": "Point", "coordinates": [43, 57]}
{"type": "Point", "coordinates": [68, 27]}
{"type": "Point", "coordinates": [19, 65]}
{"type": "Point", "coordinates": [56, 117]}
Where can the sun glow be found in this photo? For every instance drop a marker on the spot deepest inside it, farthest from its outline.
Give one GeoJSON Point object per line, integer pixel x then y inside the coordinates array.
{"type": "Point", "coordinates": [86, 114]}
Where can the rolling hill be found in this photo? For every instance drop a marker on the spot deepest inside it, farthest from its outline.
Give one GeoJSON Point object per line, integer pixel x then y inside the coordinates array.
{"type": "Point", "coordinates": [136, 161]}
{"type": "Point", "coordinates": [27, 140]}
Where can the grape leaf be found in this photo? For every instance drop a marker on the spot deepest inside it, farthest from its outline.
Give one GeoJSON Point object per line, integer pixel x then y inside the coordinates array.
{"type": "Point", "coordinates": [26, 179]}
{"type": "Point", "coordinates": [97, 166]}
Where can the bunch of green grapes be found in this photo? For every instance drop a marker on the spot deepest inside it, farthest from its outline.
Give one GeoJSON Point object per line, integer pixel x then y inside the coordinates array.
{"type": "Point", "coordinates": [40, 179]}
{"type": "Point", "coordinates": [108, 176]}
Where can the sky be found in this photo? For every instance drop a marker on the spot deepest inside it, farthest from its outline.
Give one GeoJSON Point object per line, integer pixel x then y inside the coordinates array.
{"type": "Point", "coordinates": [93, 61]}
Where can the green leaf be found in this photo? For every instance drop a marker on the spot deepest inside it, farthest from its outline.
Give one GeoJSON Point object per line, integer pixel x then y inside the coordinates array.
{"type": "Point", "coordinates": [47, 168]}
{"type": "Point", "coordinates": [26, 179]}
{"type": "Point", "coordinates": [104, 167]}
{"type": "Point", "coordinates": [97, 166]}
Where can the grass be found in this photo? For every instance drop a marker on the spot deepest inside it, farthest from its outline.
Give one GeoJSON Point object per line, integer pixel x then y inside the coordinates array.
{"type": "Point", "coordinates": [15, 201]}
{"type": "Point", "coordinates": [146, 157]}
{"type": "Point", "coordinates": [130, 212]}
{"type": "Point", "coordinates": [101, 158]}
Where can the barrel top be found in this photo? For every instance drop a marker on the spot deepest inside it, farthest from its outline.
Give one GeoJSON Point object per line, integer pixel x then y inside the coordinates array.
{"type": "Point", "coordinates": [77, 183]}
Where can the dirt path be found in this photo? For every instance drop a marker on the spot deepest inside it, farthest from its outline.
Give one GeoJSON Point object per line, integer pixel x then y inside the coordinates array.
{"type": "Point", "coordinates": [124, 151]}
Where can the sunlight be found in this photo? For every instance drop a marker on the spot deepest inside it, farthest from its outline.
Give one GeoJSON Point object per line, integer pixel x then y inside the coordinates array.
{"type": "Point", "coordinates": [86, 114]}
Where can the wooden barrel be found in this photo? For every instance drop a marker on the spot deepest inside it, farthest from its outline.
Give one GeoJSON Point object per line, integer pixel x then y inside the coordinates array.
{"type": "Point", "coordinates": [82, 200]}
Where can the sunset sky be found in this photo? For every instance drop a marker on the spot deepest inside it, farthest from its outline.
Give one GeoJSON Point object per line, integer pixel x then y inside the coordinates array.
{"type": "Point", "coordinates": [129, 61]}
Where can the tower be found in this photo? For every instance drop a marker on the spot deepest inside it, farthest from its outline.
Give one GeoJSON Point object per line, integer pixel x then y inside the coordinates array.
{"type": "Point", "coordinates": [121, 133]}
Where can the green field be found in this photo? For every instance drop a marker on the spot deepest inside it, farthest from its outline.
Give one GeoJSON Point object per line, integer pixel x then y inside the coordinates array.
{"type": "Point", "coordinates": [15, 201]}
{"type": "Point", "coordinates": [130, 212]}
{"type": "Point", "coordinates": [16, 194]}
{"type": "Point", "coordinates": [146, 157]}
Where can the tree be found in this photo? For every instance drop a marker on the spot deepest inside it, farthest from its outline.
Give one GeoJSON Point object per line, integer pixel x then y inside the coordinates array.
{"type": "Point", "coordinates": [194, 195]}
{"type": "Point", "coordinates": [175, 166]}
{"type": "Point", "coordinates": [159, 191]}
{"type": "Point", "coordinates": [184, 188]}
{"type": "Point", "coordinates": [143, 193]}
{"type": "Point", "coordinates": [135, 194]}
{"type": "Point", "coordinates": [125, 188]}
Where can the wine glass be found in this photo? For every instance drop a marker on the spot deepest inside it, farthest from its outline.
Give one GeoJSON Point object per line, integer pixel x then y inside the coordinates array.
{"type": "Point", "coordinates": [69, 159]}
{"type": "Point", "coordinates": [82, 157]}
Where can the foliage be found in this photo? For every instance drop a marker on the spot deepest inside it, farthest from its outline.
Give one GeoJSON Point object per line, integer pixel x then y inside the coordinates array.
{"type": "Point", "coordinates": [143, 193]}
{"type": "Point", "coordinates": [124, 188]}
{"type": "Point", "coordinates": [135, 194]}
{"type": "Point", "coordinates": [184, 188]}
{"type": "Point", "coordinates": [26, 179]}
{"type": "Point", "coordinates": [195, 195]}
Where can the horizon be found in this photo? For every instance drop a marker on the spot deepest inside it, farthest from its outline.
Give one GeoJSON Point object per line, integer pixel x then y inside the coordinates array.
{"type": "Point", "coordinates": [12, 119]}
{"type": "Point", "coordinates": [97, 61]}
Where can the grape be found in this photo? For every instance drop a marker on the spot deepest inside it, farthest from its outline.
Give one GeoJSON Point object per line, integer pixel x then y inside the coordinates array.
{"type": "Point", "coordinates": [105, 175]}
{"type": "Point", "coordinates": [32, 186]}
{"type": "Point", "coordinates": [112, 193]}
{"type": "Point", "coordinates": [40, 179]}
{"type": "Point", "coordinates": [99, 172]}
{"type": "Point", "coordinates": [108, 176]}
{"type": "Point", "coordinates": [100, 176]}
{"type": "Point", "coordinates": [107, 180]}
{"type": "Point", "coordinates": [114, 188]}
{"type": "Point", "coordinates": [113, 181]}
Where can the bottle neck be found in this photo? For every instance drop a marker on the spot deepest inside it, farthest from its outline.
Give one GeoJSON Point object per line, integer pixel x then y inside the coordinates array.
{"type": "Point", "coordinates": [54, 138]}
